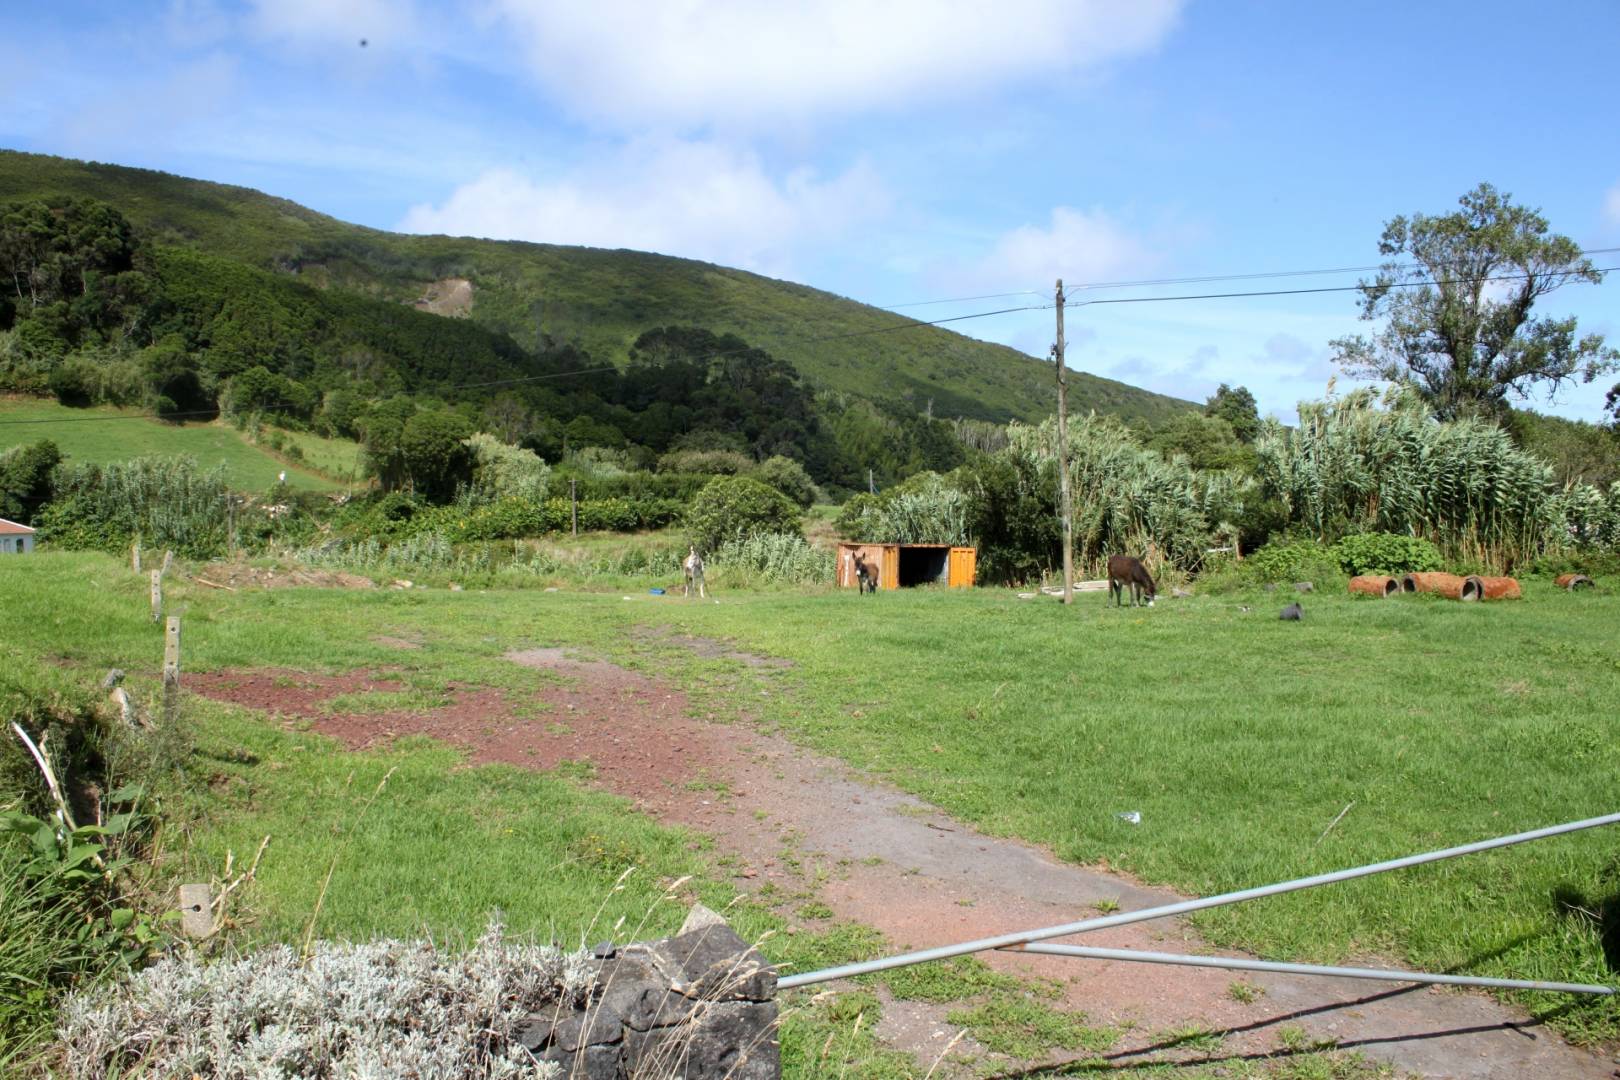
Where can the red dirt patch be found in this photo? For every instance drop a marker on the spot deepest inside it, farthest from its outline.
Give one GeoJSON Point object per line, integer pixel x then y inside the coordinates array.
{"type": "Point", "coordinates": [872, 854]}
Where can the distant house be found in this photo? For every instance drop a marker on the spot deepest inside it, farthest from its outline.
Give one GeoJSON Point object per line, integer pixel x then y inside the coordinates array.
{"type": "Point", "coordinates": [15, 538]}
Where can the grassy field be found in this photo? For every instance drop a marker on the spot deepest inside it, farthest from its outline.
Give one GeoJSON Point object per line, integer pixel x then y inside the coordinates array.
{"type": "Point", "coordinates": [104, 434]}
{"type": "Point", "coordinates": [1237, 737]}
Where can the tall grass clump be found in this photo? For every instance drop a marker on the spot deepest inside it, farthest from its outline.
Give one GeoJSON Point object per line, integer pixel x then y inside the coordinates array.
{"type": "Point", "coordinates": [1128, 499]}
{"type": "Point", "coordinates": [926, 509]}
{"type": "Point", "coordinates": [1366, 463]}
{"type": "Point", "coordinates": [774, 558]}
{"type": "Point", "coordinates": [167, 502]}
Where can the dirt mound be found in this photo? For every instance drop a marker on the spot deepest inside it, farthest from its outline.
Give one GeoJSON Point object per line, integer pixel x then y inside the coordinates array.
{"type": "Point", "coordinates": [243, 576]}
{"type": "Point", "coordinates": [451, 297]}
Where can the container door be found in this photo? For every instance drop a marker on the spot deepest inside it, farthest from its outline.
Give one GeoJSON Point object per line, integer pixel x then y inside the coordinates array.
{"type": "Point", "coordinates": [964, 564]}
{"type": "Point", "coordinates": [889, 577]}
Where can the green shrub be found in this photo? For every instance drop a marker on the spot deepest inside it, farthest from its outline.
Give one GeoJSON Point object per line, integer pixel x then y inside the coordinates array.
{"type": "Point", "coordinates": [787, 476]}
{"type": "Point", "coordinates": [167, 502]}
{"type": "Point", "coordinates": [1386, 553]}
{"type": "Point", "coordinates": [733, 507]}
{"type": "Point", "coordinates": [1292, 560]}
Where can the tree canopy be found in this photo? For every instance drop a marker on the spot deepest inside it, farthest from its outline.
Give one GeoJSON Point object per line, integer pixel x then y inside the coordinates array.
{"type": "Point", "coordinates": [1457, 297]}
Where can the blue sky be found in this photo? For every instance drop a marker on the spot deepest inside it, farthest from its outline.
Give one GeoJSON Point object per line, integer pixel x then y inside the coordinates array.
{"type": "Point", "coordinates": [890, 152]}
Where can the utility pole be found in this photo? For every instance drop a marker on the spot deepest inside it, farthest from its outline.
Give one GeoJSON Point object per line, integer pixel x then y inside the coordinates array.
{"type": "Point", "coordinates": [573, 503]}
{"type": "Point", "coordinates": [1066, 507]}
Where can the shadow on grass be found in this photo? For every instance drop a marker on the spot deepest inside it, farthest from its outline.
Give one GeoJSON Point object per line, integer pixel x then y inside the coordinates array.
{"type": "Point", "coordinates": [1141, 1056]}
{"type": "Point", "coordinates": [1601, 914]}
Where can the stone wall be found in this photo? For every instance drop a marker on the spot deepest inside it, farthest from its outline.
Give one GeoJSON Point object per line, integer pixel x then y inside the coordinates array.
{"type": "Point", "coordinates": [699, 1005]}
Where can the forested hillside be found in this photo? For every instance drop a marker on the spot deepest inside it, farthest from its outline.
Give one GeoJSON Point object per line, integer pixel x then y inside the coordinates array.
{"type": "Point", "coordinates": [547, 297]}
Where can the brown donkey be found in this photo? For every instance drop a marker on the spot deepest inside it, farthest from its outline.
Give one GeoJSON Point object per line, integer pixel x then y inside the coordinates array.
{"type": "Point", "coordinates": [1124, 570]}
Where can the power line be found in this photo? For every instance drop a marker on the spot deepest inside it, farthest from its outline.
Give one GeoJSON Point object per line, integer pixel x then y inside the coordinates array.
{"type": "Point", "coordinates": [1323, 289]}
{"type": "Point", "coordinates": [1282, 274]}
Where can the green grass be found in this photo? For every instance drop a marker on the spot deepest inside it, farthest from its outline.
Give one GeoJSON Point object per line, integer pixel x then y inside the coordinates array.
{"type": "Point", "coordinates": [1237, 737]}
{"type": "Point", "coordinates": [338, 460]}
{"type": "Point", "coordinates": [105, 434]}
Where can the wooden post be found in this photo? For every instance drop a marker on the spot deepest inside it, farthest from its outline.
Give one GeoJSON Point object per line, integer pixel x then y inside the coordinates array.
{"type": "Point", "coordinates": [573, 499]}
{"type": "Point", "coordinates": [196, 911]}
{"type": "Point", "coordinates": [168, 561]}
{"type": "Point", "coordinates": [171, 670]}
{"type": "Point", "coordinates": [157, 595]}
{"type": "Point", "coordinates": [135, 555]}
{"type": "Point", "coordinates": [1066, 508]}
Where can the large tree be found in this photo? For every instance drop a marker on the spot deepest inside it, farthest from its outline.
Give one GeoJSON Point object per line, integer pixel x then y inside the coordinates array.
{"type": "Point", "coordinates": [1456, 299]}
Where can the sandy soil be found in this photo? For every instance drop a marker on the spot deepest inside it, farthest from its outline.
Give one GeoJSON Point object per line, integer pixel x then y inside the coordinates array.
{"type": "Point", "coordinates": [923, 879]}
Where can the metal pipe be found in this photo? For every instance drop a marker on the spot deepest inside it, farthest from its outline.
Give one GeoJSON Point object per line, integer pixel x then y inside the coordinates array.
{"type": "Point", "coordinates": [945, 952]}
{"type": "Point", "coordinates": [1233, 964]}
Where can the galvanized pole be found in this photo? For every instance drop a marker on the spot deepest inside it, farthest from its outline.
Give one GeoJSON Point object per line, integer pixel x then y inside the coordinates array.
{"type": "Point", "coordinates": [1066, 508]}
{"type": "Point", "coordinates": [945, 952]}
{"type": "Point", "coordinates": [1229, 963]}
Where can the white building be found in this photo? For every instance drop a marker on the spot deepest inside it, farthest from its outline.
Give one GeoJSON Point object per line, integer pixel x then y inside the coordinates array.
{"type": "Point", "coordinates": [15, 538]}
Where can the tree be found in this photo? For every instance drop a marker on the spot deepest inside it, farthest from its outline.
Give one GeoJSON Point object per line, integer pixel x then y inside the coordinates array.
{"type": "Point", "coordinates": [25, 480]}
{"type": "Point", "coordinates": [1458, 323]}
{"type": "Point", "coordinates": [1237, 407]}
{"type": "Point", "coordinates": [733, 507]}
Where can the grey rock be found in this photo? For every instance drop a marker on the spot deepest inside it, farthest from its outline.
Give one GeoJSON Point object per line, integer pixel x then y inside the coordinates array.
{"type": "Point", "coordinates": [1271, 586]}
{"type": "Point", "coordinates": [735, 1039]}
{"type": "Point", "coordinates": [114, 677]}
{"type": "Point", "coordinates": [593, 1063]}
{"type": "Point", "coordinates": [595, 1026]}
{"type": "Point", "coordinates": [1304, 586]}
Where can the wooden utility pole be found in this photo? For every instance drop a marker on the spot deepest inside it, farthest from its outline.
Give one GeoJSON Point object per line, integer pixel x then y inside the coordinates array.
{"type": "Point", "coordinates": [1066, 507]}
{"type": "Point", "coordinates": [573, 501]}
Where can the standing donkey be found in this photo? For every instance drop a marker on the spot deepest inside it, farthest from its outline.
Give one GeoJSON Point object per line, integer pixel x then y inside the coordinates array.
{"type": "Point", "coordinates": [1125, 570]}
{"type": "Point", "coordinates": [866, 575]}
{"type": "Point", "coordinates": [694, 573]}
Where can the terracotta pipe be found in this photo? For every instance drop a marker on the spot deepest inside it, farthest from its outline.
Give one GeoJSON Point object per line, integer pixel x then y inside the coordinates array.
{"type": "Point", "coordinates": [1490, 588]}
{"type": "Point", "coordinates": [1445, 584]}
{"type": "Point", "coordinates": [1375, 585]}
{"type": "Point", "coordinates": [1574, 581]}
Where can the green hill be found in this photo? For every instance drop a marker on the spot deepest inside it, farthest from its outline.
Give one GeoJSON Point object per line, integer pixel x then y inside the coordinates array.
{"type": "Point", "coordinates": [598, 299]}
{"type": "Point", "coordinates": [104, 435]}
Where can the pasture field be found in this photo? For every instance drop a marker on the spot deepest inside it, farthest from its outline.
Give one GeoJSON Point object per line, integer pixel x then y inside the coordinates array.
{"type": "Point", "coordinates": [1237, 737]}
{"type": "Point", "coordinates": [105, 434]}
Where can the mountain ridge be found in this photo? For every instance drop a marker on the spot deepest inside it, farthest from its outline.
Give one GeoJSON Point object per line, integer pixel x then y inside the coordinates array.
{"type": "Point", "coordinates": [597, 298]}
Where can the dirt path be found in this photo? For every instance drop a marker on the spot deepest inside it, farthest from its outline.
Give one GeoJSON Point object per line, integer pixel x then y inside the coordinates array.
{"type": "Point", "coordinates": [897, 864]}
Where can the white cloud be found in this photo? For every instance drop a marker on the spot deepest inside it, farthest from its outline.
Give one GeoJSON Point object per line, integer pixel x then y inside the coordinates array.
{"type": "Point", "coordinates": [701, 200]}
{"type": "Point", "coordinates": [1611, 207]}
{"type": "Point", "coordinates": [1077, 245]}
{"type": "Point", "coordinates": [701, 62]}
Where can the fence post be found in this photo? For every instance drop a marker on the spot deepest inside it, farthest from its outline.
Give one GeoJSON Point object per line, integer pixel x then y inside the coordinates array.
{"type": "Point", "coordinates": [196, 911]}
{"type": "Point", "coordinates": [171, 670]}
{"type": "Point", "coordinates": [157, 595]}
{"type": "Point", "coordinates": [135, 555]}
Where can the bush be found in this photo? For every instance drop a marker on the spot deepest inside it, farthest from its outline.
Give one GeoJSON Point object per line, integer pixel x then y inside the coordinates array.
{"type": "Point", "coordinates": [1293, 560]}
{"type": "Point", "coordinates": [1386, 553]}
{"type": "Point", "coordinates": [787, 476]}
{"type": "Point", "coordinates": [385, 1008]}
{"type": "Point", "coordinates": [167, 502]}
{"type": "Point", "coordinates": [734, 507]}
{"type": "Point", "coordinates": [711, 462]}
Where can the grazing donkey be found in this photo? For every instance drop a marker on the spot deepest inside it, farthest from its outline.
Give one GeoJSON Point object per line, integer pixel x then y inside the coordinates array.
{"type": "Point", "coordinates": [1124, 570]}
{"type": "Point", "coordinates": [866, 575]}
{"type": "Point", "coordinates": [694, 573]}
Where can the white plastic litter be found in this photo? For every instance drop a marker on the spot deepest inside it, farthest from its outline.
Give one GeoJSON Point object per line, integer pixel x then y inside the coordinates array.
{"type": "Point", "coordinates": [1130, 817]}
